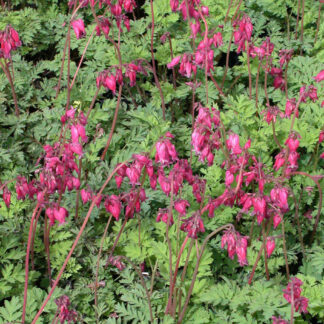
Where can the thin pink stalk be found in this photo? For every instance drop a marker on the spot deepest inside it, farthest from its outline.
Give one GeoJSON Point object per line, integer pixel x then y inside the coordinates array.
{"type": "Point", "coordinates": [27, 261]}
{"type": "Point", "coordinates": [113, 123]}
{"type": "Point", "coordinates": [176, 272]}
{"type": "Point", "coordinates": [153, 62]}
{"type": "Point", "coordinates": [74, 245]}
{"type": "Point", "coordinates": [227, 226]}
{"type": "Point", "coordinates": [82, 58]}
{"type": "Point", "coordinates": [249, 68]}
{"type": "Point", "coordinates": [12, 87]}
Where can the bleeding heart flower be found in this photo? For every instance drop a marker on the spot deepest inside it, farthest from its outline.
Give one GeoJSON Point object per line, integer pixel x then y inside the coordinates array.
{"type": "Point", "coordinates": [270, 246]}
{"type": "Point", "coordinates": [180, 206]}
{"type": "Point", "coordinates": [319, 77]}
{"type": "Point", "coordinates": [78, 27]}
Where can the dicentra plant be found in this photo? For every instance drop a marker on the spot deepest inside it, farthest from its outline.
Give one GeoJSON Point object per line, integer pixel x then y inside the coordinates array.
{"type": "Point", "coordinates": [152, 136]}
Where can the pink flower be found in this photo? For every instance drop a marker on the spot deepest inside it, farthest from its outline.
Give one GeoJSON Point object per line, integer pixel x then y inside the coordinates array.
{"type": "Point", "coordinates": [293, 289]}
{"type": "Point", "coordinates": [175, 61]}
{"type": "Point", "coordinates": [193, 225]}
{"type": "Point", "coordinates": [85, 195]}
{"type": "Point", "coordinates": [319, 77]}
{"type": "Point", "coordinates": [321, 137]}
{"type": "Point", "coordinates": [195, 28]}
{"type": "Point", "coordinates": [110, 83]}
{"type": "Point", "coordinates": [104, 25]}
{"type": "Point", "coordinates": [260, 208]}
{"type": "Point", "coordinates": [116, 262]}
{"type": "Point", "coordinates": [280, 161]}
{"type": "Point", "coordinates": [278, 320]}
{"type": "Point", "coordinates": [236, 244]}
{"type": "Point", "coordinates": [180, 206]}
{"type": "Point", "coordinates": [241, 247]}
{"type": "Point", "coordinates": [174, 4]}
{"type": "Point", "coordinates": [233, 143]}
{"type": "Point", "coordinates": [165, 152]}
{"type": "Point", "coordinates": [218, 39]}
{"type": "Point", "coordinates": [9, 41]}
{"type": "Point", "coordinates": [276, 220]}
{"type": "Point", "coordinates": [78, 27]}
{"type": "Point", "coordinates": [6, 196]}
{"type": "Point", "coordinates": [290, 107]}
{"type": "Point", "coordinates": [279, 196]}
{"type": "Point", "coordinates": [133, 174]}
{"type": "Point", "coordinates": [285, 57]}
{"type": "Point", "coordinates": [163, 215]}
{"type": "Point", "coordinates": [60, 214]}
{"type": "Point", "coordinates": [293, 143]}
{"type": "Point", "coordinates": [205, 10]}
{"type": "Point", "coordinates": [113, 206]}
{"type": "Point", "coordinates": [270, 246]}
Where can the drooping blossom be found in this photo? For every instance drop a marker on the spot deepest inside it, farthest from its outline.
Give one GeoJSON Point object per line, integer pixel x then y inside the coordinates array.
{"type": "Point", "coordinates": [236, 244]}
{"type": "Point", "coordinates": [65, 314]}
{"type": "Point", "coordinates": [104, 26]}
{"type": "Point", "coordinates": [319, 77]}
{"type": "Point", "coordinates": [270, 246]}
{"type": "Point", "coordinates": [291, 108]}
{"type": "Point", "coordinates": [115, 261]}
{"type": "Point", "coordinates": [278, 320]}
{"type": "Point", "coordinates": [243, 32]}
{"type": "Point", "coordinates": [193, 225]}
{"type": "Point", "coordinates": [165, 150]}
{"type": "Point", "coordinates": [113, 206]}
{"type": "Point", "coordinates": [279, 196]}
{"type": "Point", "coordinates": [285, 57]}
{"type": "Point", "coordinates": [293, 290]}
{"type": "Point", "coordinates": [163, 215]}
{"type": "Point", "coordinates": [78, 27]}
{"type": "Point", "coordinates": [180, 206]}
{"type": "Point", "coordinates": [9, 41]}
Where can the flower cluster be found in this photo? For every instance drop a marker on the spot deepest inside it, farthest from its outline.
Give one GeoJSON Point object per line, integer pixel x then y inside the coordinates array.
{"type": "Point", "coordinates": [236, 244]}
{"type": "Point", "coordinates": [206, 134]}
{"type": "Point", "coordinates": [278, 320]}
{"type": "Point", "coordinates": [64, 311]}
{"type": "Point", "coordinates": [109, 79]}
{"type": "Point", "coordinates": [116, 262]}
{"type": "Point", "coordinates": [193, 225]}
{"type": "Point", "coordinates": [243, 32]}
{"type": "Point", "coordinates": [9, 41]}
{"type": "Point", "coordinates": [293, 295]}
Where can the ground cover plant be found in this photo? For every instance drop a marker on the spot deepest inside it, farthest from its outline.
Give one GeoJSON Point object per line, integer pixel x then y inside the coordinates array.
{"type": "Point", "coordinates": [161, 161]}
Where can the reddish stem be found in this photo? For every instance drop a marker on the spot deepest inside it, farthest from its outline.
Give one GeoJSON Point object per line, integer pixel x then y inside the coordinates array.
{"type": "Point", "coordinates": [82, 58]}
{"type": "Point", "coordinates": [97, 267]}
{"type": "Point", "coordinates": [228, 10]}
{"type": "Point", "coordinates": [153, 63]}
{"type": "Point", "coordinates": [297, 22]}
{"type": "Point", "coordinates": [175, 273]}
{"type": "Point", "coordinates": [74, 245]}
{"type": "Point", "coordinates": [249, 68]}
{"type": "Point", "coordinates": [27, 261]}
{"type": "Point", "coordinates": [227, 226]}
{"type": "Point", "coordinates": [33, 240]}
{"type": "Point", "coordinates": [318, 22]}
{"type": "Point", "coordinates": [77, 199]}
{"type": "Point", "coordinates": [227, 59]}
{"type": "Point", "coordinates": [259, 254]}
{"type": "Point", "coordinates": [302, 27]}
{"type": "Point", "coordinates": [113, 123]}
{"type": "Point", "coordinates": [8, 75]}
{"type": "Point", "coordinates": [46, 244]}
{"type": "Point", "coordinates": [320, 201]}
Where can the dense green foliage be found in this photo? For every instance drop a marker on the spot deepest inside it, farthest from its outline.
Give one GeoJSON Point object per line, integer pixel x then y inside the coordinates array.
{"type": "Point", "coordinates": [221, 293]}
